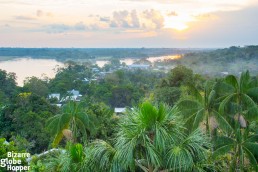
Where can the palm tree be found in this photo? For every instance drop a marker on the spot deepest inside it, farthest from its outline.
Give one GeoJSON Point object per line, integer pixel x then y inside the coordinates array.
{"type": "Point", "coordinates": [239, 146]}
{"type": "Point", "coordinates": [240, 109]}
{"type": "Point", "coordinates": [152, 139]}
{"type": "Point", "coordinates": [239, 101]}
{"type": "Point", "coordinates": [69, 160]}
{"type": "Point", "coordinates": [199, 108]}
{"type": "Point", "coordinates": [74, 119]}
{"type": "Point", "coordinates": [101, 156]}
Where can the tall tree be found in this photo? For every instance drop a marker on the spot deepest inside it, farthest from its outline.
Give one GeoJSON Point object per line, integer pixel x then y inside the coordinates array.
{"type": "Point", "coordinates": [26, 116]}
{"type": "Point", "coordinates": [240, 99]}
{"type": "Point", "coordinates": [7, 86]}
{"type": "Point", "coordinates": [240, 145]}
{"type": "Point", "coordinates": [200, 109]}
{"type": "Point", "coordinates": [152, 139]}
{"type": "Point", "coordinates": [73, 117]}
{"type": "Point", "coordinates": [37, 86]}
{"type": "Point", "coordinates": [240, 109]}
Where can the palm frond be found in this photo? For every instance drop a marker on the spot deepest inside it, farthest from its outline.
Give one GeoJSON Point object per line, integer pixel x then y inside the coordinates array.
{"type": "Point", "coordinates": [253, 93]}
{"type": "Point", "coordinates": [179, 159]}
{"type": "Point", "coordinates": [251, 158]}
{"type": "Point", "coordinates": [223, 140]}
{"type": "Point", "coordinates": [187, 107]}
{"type": "Point", "coordinates": [53, 124]}
{"type": "Point", "coordinates": [195, 93]}
{"type": "Point", "coordinates": [225, 102]}
{"type": "Point", "coordinates": [252, 112]}
{"type": "Point", "coordinates": [223, 89]}
{"type": "Point", "coordinates": [183, 154]}
{"type": "Point", "coordinates": [232, 80]}
{"type": "Point", "coordinates": [211, 98]}
{"type": "Point", "coordinates": [222, 122]}
{"type": "Point", "coordinates": [252, 147]}
{"type": "Point", "coordinates": [152, 154]}
{"type": "Point", "coordinates": [198, 118]}
{"type": "Point", "coordinates": [223, 150]}
{"type": "Point", "coordinates": [253, 138]}
{"type": "Point", "coordinates": [244, 81]}
{"type": "Point", "coordinates": [101, 155]}
{"type": "Point", "coordinates": [125, 152]}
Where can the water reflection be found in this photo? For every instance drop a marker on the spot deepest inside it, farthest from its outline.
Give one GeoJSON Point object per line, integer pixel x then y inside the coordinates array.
{"type": "Point", "coordinates": [162, 58]}
{"type": "Point", "coordinates": [101, 63]}
{"type": "Point", "coordinates": [129, 61]}
{"type": "Point", "coordinates": [27, 67]}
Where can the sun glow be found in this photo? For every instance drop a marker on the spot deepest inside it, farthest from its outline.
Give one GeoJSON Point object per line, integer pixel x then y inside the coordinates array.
{"type": "Point", "coordinates": [174, 57]}
{"type": "Point", "coordinates": [177, 26]}
{"type": "Point", "coordinates": [178, 23]}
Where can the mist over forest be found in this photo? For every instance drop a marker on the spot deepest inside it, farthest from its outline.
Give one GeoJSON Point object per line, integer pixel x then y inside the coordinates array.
{"type": "Point", "coordinates": [233, 60]}
{"type": "Point", "coordinates": [210, 62]}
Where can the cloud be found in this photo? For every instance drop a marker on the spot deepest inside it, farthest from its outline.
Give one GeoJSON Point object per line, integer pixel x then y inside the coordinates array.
{"type": "Point", "coordinates": [14, 2]}
{"type": "Point", "coordinates": [207, 16]}
{"type": "Point", "coordinates": [125, 19]}
{"type": "Point", "coordinates": [24, 18]}
{"type": "Point", "coordinates": [49, 14]}
{"type": "Point", "coordinates": [223, 29]}
{"type": "Point", "coordinates": [153, 18]}
{"type": "Point", "coordinates": [93, 16]}
{"type": "Point", "coordinates": [57, 28]}
{"type": "Point", "coordinates": [172, 13]}
{"type": "Point", "coordinates": [61, 28]}
{"type": "Point", "coordinates": [148, 19]}
{"type": "Point", "coordinates": [104, 19]}
{"type": "Point", "coordinates": [40, 13]}
{"type": "Point", "coordinates": [7, 25]}
{"type": "Point", "coordinates": [159, 1]}
{"type": "Point", "coordinates": [79, 26]}
{"type": "Point", "coordinates": [135, 19]}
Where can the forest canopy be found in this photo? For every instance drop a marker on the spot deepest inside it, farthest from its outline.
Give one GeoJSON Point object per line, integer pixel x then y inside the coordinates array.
{"type": "Point", "coordinates": [89, 118]}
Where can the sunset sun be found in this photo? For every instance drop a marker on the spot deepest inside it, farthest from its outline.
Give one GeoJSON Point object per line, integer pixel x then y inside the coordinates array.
{"type": "Point", "coordinates": [178, 23]}
{"type": "Point", "coordinates": [179, 26]}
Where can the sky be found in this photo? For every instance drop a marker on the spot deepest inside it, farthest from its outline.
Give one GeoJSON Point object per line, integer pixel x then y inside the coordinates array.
{"type": "Point", "coordinates": [128, 23]}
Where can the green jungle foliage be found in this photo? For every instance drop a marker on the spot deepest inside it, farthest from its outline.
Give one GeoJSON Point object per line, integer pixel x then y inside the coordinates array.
{"type": "Point", "coordinates": [176, 121]}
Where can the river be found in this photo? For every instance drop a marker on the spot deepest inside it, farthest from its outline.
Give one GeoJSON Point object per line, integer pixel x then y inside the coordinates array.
{"type": "Point", "coordinates": [28, 67]}
{"type": "Point", "coordinates": [129, 61]}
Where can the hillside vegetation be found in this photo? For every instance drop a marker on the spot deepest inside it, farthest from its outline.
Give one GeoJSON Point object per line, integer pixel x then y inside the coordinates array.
{"type": "Point", "coordinates": [232, 60]}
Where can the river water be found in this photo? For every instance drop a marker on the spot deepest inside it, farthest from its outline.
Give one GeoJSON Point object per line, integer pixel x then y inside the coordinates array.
{"type": "Point", "coordinates": [129, 61]}
{"type": "Point", "coordinates": [28, 67]}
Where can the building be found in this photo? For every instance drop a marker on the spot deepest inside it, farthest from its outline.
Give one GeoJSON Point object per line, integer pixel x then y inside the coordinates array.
{"type": "Point", "coordinates": [73, 95]}
{"type": "Point", "coordinates": [138, 66]}
{"type": "Point", "coordinates": [95, 70]}
{"type": "Point", "coordinates": [85, 80]}
{"type": "Point", "coordinates": [224, 73]}
{"type": "Point", "coordinates": [119, 111]}
{"type": "Point", "coordinates": [54, 95]}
